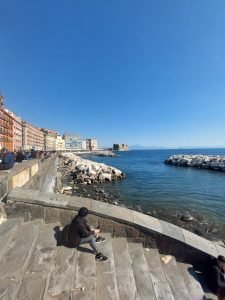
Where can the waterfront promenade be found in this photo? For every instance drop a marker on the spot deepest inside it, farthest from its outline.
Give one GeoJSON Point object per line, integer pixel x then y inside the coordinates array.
{"type": "Point", "coordinates": [47, 271]}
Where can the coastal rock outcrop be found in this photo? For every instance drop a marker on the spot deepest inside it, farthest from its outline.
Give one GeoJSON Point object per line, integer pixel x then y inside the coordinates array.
{"type": "Point", "coordinates": [83, 171]}
{"type": "Point", "coordinates": [198, 161]}
{"type": "Point", "coordinates": [104, 153]}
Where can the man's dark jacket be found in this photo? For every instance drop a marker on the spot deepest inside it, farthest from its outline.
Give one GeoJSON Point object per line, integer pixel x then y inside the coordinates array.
{"type": "Point", "coordinates": [217, 279]}
{"type": "Point", "coordinates": [78, 229]}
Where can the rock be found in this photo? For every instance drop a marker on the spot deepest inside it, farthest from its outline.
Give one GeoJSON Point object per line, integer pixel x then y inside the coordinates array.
{"type": "Point", "coordinates": [187, 218]}
{"type": "Point", "coordinates": [105, 153]}
{"type": "Point", "coordinates": [105, 177]}
{"type": "Point", "coordinates": [67, 193]}
{"type": "Point", "coordinates": [67, 188]}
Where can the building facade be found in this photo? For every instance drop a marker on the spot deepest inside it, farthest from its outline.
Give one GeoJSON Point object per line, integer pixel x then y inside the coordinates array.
{"type": "Point", "coordinates": [32, 137]}
{"type": "Point", "coordinates": [91, 144]}
{"type": "Point", "coordinates": [60, 143]}
{"type": "Point", "coordinates": [74, 142]}
{"type": "Point", "coordinates": [17, 131]}
{"type": "Point", "coordinates": [6, 127]}
{"type": "Point", "coordinates": [50, 139]}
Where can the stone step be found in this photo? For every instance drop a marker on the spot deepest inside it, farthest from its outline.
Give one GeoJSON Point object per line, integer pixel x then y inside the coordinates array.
{"type": "Point", "coordinates": [105, 272]}
{"type": "Point", "coordinates": [161, 286]}
{"type": "Point", "coordinates": [44, 250]}
{"type": "Point", "coordinates": [33, 286]}
{"type": "Point", "coordinates": [142, 277]}
{"type": "Point", "coordinates": [85, 274]}
{"type": "Point", "coordinates": [7, 229]}
{"type": "Point", "coordinates": [8, 287]}
{"type": "Point", "coordinates": [61, 279]}
{"type": "Point", "coordinates": [124, 272]}
{"type": "Point", "coordinates": [18, 252]}
{"type": "Point", "coordinates": [191, 281]}
{"type": "Point", "coordinates": [35, 278]}
{"type": "Point", "coordinates": [175, 280]}
{"type": "Point", "coordinates": [33, 267]}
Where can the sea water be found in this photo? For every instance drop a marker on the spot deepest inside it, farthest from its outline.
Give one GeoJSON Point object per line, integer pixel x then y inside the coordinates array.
{"type": "Point", "coordinates": [152, 185]}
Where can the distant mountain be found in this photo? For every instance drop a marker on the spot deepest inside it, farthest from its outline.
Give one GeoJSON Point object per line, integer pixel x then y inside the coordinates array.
{"type": "Point", "coordinates": [139, 147]}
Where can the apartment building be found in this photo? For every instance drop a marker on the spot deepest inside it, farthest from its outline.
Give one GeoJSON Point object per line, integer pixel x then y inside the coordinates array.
{"type": "Point", "coordinates": [6, 127]}
{"type": "Point", "coordinates": [60, 143]}
{"type": "Point", "coordinates": [32, 137]}
{"type": "Point", "coordinates": [17, 131]}
{"type": "Point", "coordinates": [50, 137]}
{"type": "Point", "coordinates": [74, 142]}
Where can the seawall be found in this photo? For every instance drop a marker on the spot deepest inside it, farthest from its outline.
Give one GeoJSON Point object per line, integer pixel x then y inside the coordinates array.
{"type": "Point", "coordinates": [30, 174]}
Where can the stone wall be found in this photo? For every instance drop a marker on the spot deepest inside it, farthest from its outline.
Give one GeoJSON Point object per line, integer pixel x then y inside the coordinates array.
{"type": "Point", "coordinates": [28, 173]}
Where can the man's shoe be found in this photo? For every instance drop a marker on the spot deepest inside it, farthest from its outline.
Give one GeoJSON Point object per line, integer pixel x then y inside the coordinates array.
{"type": "Point", "coordinates": [100, 257]}
{"type": "Point", "coordinates": [99, 239]}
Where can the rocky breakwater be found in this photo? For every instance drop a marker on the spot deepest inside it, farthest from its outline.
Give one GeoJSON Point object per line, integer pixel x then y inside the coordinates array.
{"type": "Point", "coordinates": [104, 153]}
{"type": "Point", "coordinates": [82, 177]}
{"type": "Point", "coordinates": [198, 161]}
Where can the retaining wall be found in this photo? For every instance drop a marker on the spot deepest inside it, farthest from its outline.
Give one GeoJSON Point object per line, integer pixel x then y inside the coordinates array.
{"type": "Point", "coordinates": [26, 173]}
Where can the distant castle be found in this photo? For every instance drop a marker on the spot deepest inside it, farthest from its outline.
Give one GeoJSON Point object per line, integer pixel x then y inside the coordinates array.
{"type": "Point", "coordinates": [120, 147]}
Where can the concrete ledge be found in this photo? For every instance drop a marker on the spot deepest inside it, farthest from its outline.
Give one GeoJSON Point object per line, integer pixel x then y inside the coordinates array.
{"type": "Point", "coordinates": [18, 176]}
{"type": "Point", "coordinates": [21, 174]}
{"type": "Point", "coordinates": [119, 221]}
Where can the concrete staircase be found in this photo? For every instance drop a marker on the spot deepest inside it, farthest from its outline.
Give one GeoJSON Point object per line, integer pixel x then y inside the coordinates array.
{"type": "Point", "coordinates": [33, 267]}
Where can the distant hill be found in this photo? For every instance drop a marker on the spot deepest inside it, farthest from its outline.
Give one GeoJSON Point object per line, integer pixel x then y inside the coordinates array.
{"type": "Point", "coordinates": [139, 147]}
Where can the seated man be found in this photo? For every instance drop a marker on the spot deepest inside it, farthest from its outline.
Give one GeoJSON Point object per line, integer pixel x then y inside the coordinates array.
{"type": "Point", "coordinates": [81, 233]}
{"type": "Point", "coordinates": [7, 160]}
{"type": "Point", "coordinates": [217, 275]}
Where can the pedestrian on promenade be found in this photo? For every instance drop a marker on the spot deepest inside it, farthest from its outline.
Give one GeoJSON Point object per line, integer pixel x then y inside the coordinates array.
{"type": "Point", "coordinates": [20, 156]}
{"type": "Point", "coordinates": [7, 159]}
{"type": "Point", "coordinates": [81, 233]}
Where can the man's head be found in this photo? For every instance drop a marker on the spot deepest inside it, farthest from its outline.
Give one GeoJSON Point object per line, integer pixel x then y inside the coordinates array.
{"type": "Point", "coordinates": [83, 211]}
{"type": "Point", "coordinates": [4, 151]}
{"type": "Point", "coordinates": [221, 262]}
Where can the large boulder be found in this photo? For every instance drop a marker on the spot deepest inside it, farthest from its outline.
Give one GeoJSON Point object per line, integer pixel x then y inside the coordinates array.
{"type": "Point", "coordinates": [105, 177]}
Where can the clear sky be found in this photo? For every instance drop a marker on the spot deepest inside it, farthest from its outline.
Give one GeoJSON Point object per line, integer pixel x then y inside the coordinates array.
{"type": "Point", "coordinates": [149, 72]}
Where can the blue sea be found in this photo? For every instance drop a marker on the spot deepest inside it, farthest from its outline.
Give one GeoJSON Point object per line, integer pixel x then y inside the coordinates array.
{"type": "Point", "coordinates": [152, 185]}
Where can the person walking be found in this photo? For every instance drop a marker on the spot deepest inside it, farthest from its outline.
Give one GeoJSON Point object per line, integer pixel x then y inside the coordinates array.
{"type": "Point", "coordinates": [7, 160]}
{"type": "Point", "coordinates": [81, 233]}
{"type": "Point", "coordinates": [20, 156]}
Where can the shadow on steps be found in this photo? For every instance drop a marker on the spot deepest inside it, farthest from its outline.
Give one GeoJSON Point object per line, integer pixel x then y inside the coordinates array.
{"type": "Point", "coordinates": [61, 237]}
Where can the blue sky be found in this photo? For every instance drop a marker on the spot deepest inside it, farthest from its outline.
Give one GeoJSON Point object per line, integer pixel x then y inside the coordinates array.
{"type": "Point", "coordinates": [148, 72]}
